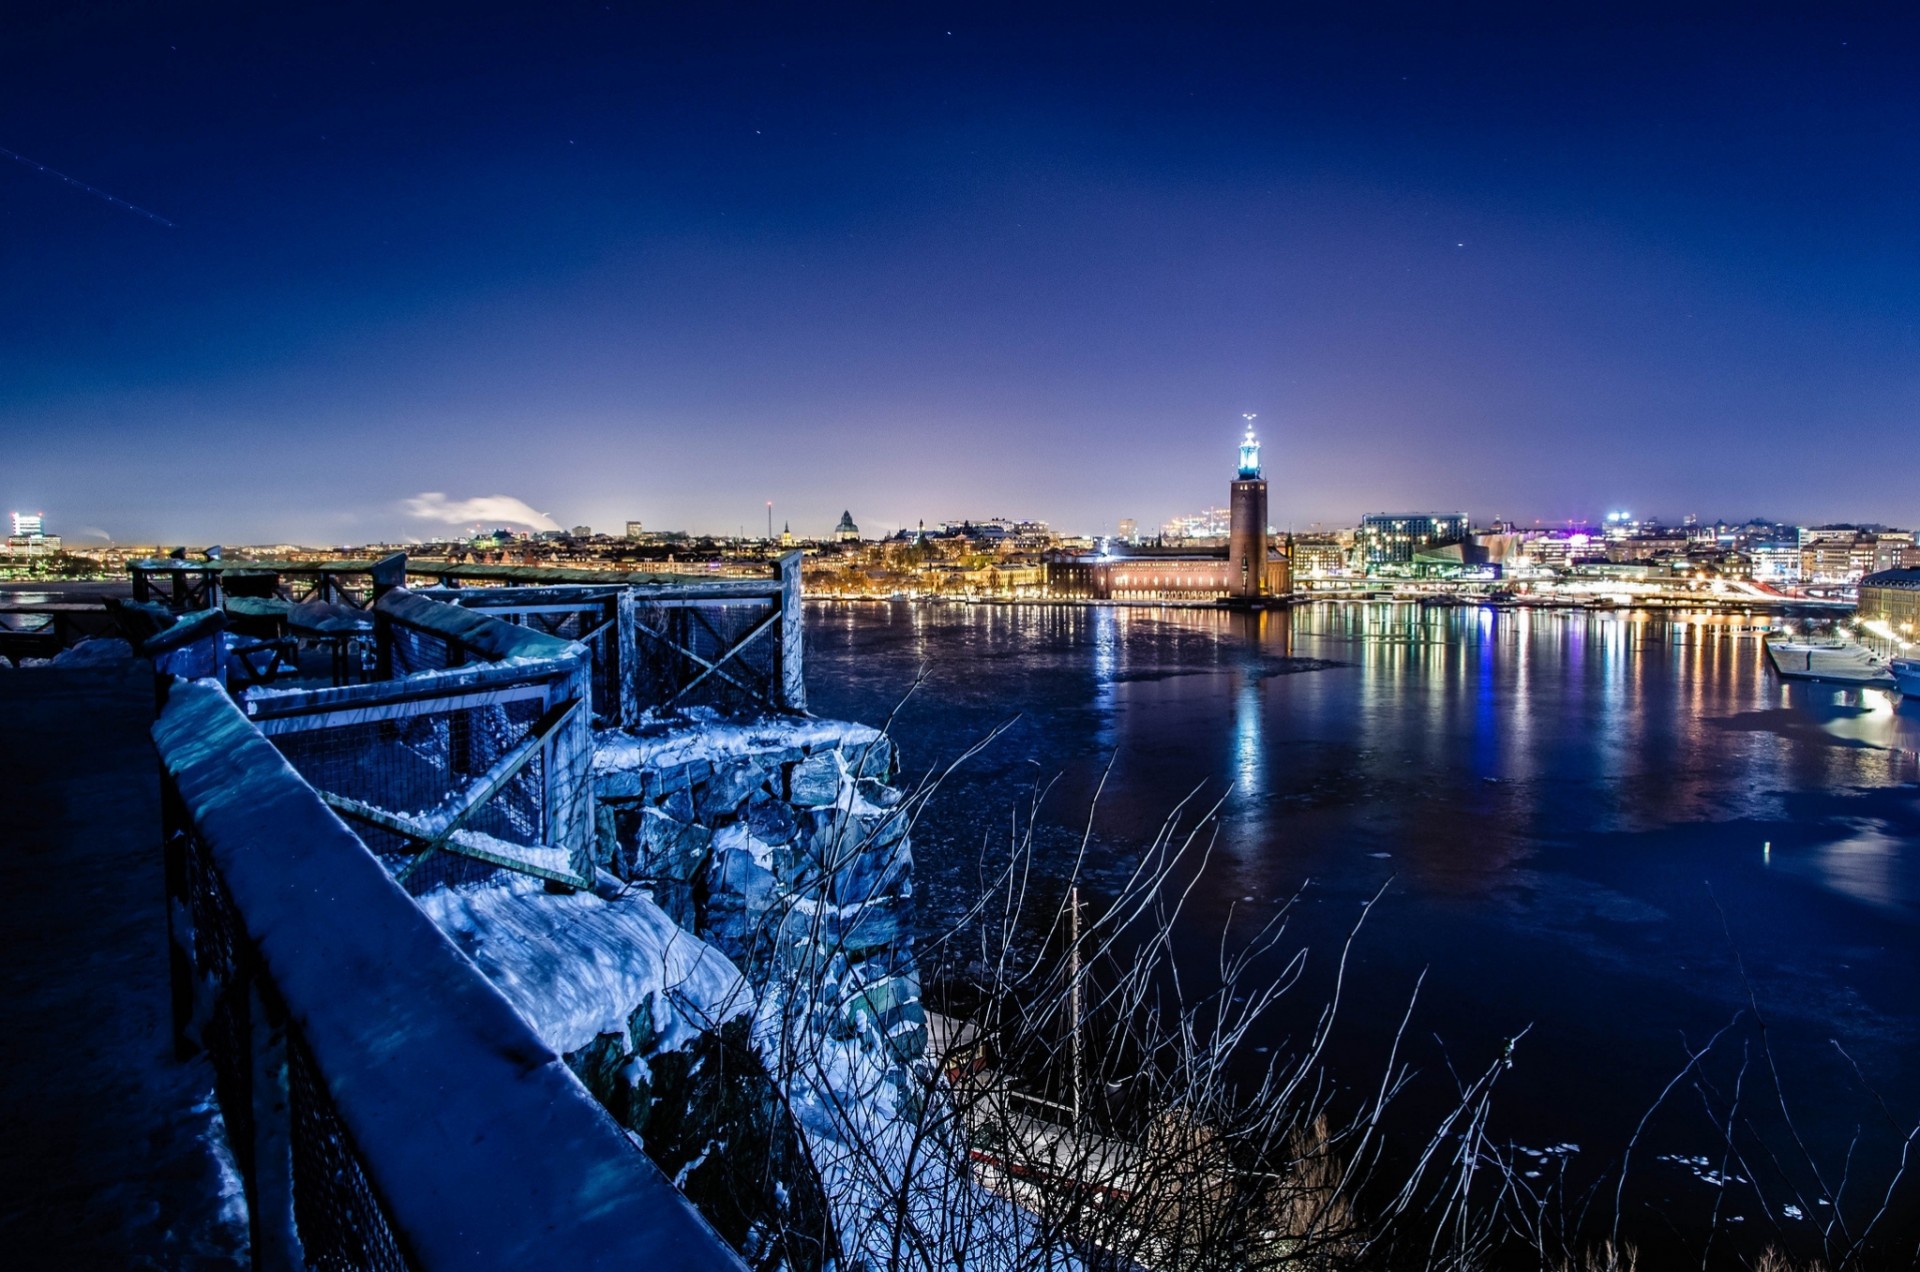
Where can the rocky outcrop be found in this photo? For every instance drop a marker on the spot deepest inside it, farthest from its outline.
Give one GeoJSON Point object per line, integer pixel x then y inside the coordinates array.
{"type": "Point", "coordinates": [740, 991]}
{"type": "Point", "coordinates": [658, 1026]}
{"type": "Point", "coordinates": [782, 844]}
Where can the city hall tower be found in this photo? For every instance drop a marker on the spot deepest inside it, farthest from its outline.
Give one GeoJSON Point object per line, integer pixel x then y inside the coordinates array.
{"type": "Point", "coordinates": [1247, 526]}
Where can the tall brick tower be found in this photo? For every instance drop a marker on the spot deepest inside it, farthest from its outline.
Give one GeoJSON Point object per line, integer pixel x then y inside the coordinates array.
{"type": "Point", "coordinates": [1247, 528]}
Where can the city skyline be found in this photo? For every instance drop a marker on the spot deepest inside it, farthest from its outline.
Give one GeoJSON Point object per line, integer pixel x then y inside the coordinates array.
{"type": "Point", "coordinates": [669, 265]}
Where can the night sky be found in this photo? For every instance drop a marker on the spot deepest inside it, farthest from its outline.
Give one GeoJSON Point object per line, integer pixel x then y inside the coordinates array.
{"type": "Point", "coordinates": [935, 261]}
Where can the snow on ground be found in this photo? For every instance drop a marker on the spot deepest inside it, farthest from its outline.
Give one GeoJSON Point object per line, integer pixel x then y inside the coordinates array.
{"type": "Point", "coordinates": [705, 736]}
{"type": "Point", "coordinates": [578, 966]}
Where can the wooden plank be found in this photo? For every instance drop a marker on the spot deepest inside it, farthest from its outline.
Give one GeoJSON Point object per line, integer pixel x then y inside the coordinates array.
{"type": "Point", "coordinates": [494, 780]}
{"type": "Point", "coordinates": [624, 668]}
{"type": "Point", "coordinates": [793, 679]}
{"type": "Point", "coordinates": [300, 718]}
{"type": "Point", "coordinates": [374, 816]}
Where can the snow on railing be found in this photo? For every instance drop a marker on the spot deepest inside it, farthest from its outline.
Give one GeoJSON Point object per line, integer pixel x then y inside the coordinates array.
{"type": "Point", "coordinates": [387, 1106]}
{"type": "Point", "coordinates": [480, 737]}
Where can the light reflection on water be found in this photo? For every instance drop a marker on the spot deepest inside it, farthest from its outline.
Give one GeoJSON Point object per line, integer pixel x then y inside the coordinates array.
{"type": "Point", "coordinates": [1567, 805]}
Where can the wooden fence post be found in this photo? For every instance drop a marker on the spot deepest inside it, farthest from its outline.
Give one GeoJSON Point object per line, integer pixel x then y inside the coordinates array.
{"type": "Point", "coordinates": [626, 658]}
{"type": "Point", "coordinates": [793, 678]}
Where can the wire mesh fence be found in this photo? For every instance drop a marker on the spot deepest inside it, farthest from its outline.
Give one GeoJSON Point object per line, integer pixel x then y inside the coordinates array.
{"type": "Point", "coordinates": [217, 957]}
{"type": "Point", "coordinates": [338, 1218]}
{"type": "Point", "coordinates": [588, 616]}
{"type": "Point", "coordinates": [723, 654]}
{"type": "Point", "coordinates": [438, 772]}
{"type": "Point", "coordinates": [341, 1223]}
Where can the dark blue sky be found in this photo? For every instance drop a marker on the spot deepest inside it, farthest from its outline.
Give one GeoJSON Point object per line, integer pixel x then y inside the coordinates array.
{"type": "Point", "coordinates": [953, 260]}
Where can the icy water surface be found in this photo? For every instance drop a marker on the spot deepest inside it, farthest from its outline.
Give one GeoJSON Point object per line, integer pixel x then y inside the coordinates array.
{"type": "Point", "coordinates": [1586, 824]}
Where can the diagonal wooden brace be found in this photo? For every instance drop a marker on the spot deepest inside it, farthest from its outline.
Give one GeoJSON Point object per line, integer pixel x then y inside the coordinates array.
{"type": "Point", "coordinates": [433, 837]}
{"type": "Point", "coordinates": [713, 668]}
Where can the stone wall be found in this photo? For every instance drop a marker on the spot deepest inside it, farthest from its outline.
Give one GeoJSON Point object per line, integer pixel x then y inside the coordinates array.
{"type": "Point", "coordinates": [783, 844]}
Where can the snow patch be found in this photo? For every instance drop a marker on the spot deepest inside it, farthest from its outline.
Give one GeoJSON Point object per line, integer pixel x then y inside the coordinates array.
{"type": "Point", "coordinates": [578, 966]}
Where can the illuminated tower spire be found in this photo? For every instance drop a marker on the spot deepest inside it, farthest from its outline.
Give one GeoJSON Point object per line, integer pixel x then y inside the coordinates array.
{"type": "Point", "coordinates": [1247, 551]}
{"type": "Point", "coordinates": [1249, 452]}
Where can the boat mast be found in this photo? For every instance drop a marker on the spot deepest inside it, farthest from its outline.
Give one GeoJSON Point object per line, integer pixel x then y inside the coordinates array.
{"type": "Point", "coordinates": [1073, 995]}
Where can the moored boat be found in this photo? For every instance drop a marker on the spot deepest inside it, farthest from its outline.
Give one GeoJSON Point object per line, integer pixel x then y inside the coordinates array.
{"type": "Point", "coordinates": [1906, 673]}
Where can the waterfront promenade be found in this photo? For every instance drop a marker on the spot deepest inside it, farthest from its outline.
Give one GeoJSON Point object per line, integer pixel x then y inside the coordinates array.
{"type": "Point", "coordinates": [105, 1165]}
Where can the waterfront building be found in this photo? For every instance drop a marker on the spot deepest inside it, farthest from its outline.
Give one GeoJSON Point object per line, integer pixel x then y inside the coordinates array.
{"type": "Point", "coordinates": [30, 537]}
{"type": "Point", "coordinates": [1391, 538]}
{"type": "Point", "coordinates": [1247, 566]}
{"type": "Point", "coordinates": [1319, 556]}
{"type": "Point", "coordinates": [1890, 607]}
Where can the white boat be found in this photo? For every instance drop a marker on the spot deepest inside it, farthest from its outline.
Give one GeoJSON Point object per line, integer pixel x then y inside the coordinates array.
{"type": "Point", "coordinates": [1906, 671]}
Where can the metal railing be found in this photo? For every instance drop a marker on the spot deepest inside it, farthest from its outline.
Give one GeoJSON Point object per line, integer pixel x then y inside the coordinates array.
{"type": "Point", "coordinates": [386, 1106]}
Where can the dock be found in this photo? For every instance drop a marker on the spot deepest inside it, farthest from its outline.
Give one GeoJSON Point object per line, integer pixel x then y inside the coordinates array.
{"type": "Point", "coordinates": [1829, 663]}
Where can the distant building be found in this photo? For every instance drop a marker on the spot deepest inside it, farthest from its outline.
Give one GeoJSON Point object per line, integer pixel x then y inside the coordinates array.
{"type": "Point", "coordinates": [581, 532]}
{"type": "Point", "coordinates": [635, 530]}
{"type": "Point", "coordinates": [1648, 545]}
{"type": "Point", "coordinates": [1843, 554]}
{"type": "Point", "coordinates": [1129, 530]}
{"type": "Point", "coordinates": [30, 537]}
{"type": "Point", "coordinates": [1894, 550]}
{"type": "Point", "coordinates": [1318, 556]}
{"type": "Point", "coordinates": [1890, 605]}
{"type": "Point", "coordinates": [846, 531]}
{"type": "Point", "coordinates": [1209, 525]}
{"type": "Point", "coordinates": [1775, 562]}
{"type": "Point", "coordinates": [1391, 538]}
{"type": "Point", "coordinates": [1247, 524]}
{"type": "Point", "coordinates": [1247, 566]}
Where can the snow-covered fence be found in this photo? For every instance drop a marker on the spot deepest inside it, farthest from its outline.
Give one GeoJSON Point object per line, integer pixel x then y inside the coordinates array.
{"type": "Point", "coordinates": [655, 641]}
{"type": "Point", "coordinates": [182, 585]}
{"type": "Point", "coordinates": [735, 644]}
{"type": "Point", "coordinates": [587, 615]}
{"type": "Point", "coordinates": [386, 1105]}
{"type": "Point", "coordinates": [472, 756]}
{"type": "Point", "coordinates": [41, 631]}
{"type": "Point", "coordinates": [663, 643]}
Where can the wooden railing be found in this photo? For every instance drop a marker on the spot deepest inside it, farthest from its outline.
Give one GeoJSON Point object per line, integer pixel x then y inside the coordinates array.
{"type": "Point", "coordinates": [476, 744]}
{"type": "Point", "coordinates": [386, 1106]}
{"type": "Point", "coordinates": [655, 642]}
